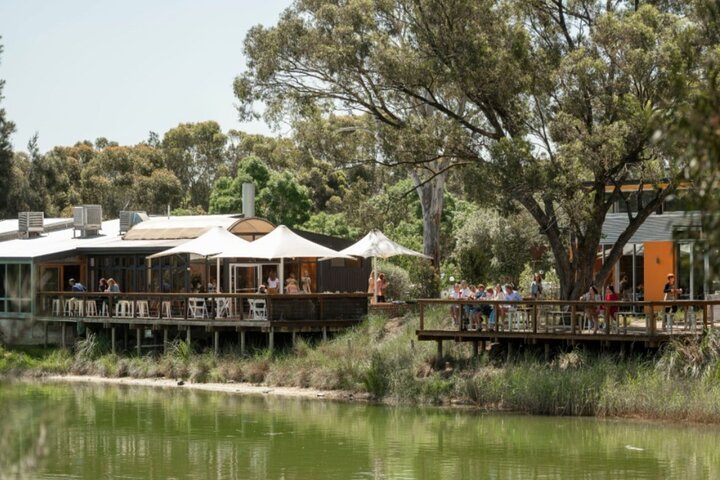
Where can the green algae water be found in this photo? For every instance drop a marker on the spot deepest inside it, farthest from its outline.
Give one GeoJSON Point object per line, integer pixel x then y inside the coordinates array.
{"type": "Point", "coordinates": [58, 430]}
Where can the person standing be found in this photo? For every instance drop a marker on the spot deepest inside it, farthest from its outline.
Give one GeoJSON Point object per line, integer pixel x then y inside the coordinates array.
{"type": "Point", "coordinates": [671, 293]}
{"type": "Point", "coordinates": [380, 287]}
{"type": "Point", "coordinates": [306, 282]}
{"type": "Point", "coordinates": [536, 288]}
{"type": "Point", "coordinates": [273, 282]}
{"type": "Point", "coordinates": [625, 291]}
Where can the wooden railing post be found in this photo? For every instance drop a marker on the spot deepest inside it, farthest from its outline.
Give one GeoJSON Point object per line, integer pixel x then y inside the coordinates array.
{"type": "Point", "coordinates": [573, 319]}
{"type": "Point", "coordinates": [422, 315]}
{"type": "Point", "coordinates": [535, 318]}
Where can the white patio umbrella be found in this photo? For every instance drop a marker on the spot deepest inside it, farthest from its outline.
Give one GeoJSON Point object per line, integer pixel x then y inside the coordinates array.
{"type": "Point", "coordinates": [279, 244]}
{"type": "Point", "coordinates": [375, 244]}
{"type": "Point", "coordinates": [215, 240]}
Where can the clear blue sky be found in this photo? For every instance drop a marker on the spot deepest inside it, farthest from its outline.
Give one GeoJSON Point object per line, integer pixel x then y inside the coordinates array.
{"type": "Point", "coordinates": [82, 69]}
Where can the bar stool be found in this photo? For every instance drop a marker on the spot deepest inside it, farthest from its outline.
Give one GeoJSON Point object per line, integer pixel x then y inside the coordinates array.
{"type": "Point", "coordinates": [57, 307]}
{"type": "Point", "coordinates": [143, 308]}
{"type": "Point", "coordinates": [68, 308]}
{"type": "Point", "coordinates": [124, 308]}
{"type": "Point", "coordinates": [91, 308]}
{"type": "Point", "coordinates": [167, 308]}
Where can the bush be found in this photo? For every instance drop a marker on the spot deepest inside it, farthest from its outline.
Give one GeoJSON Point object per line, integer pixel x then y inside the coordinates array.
{"type": "Point", "coordinates": [398, 281]}
{"type": "Point", "coordinates": [425, 281]}
{"type": "Point", "coordinates": [377, 376]}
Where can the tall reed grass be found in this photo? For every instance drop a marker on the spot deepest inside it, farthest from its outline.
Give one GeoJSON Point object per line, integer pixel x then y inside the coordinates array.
{"type": "Point", "coordinates": [382, 360]}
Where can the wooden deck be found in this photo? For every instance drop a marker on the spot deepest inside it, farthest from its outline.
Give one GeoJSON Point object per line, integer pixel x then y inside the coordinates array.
{"type": "Point", "coordinates": [199, 314]}
{"type": "Point", "coordinates": [646, 324]}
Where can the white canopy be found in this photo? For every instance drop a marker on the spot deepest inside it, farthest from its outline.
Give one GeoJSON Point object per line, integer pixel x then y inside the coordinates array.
{"type": "Point", "coordinates": [281, 243]}
{"type": "Point", "coordinates": [215, 240]}
{"type": "Point", "coordinates": [376, 244]}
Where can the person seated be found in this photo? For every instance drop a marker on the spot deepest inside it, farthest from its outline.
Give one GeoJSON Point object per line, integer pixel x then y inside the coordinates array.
{"type": "Point", "coordinates": [611, 296]}
{"type": "Point", "coordinates": [512, 295]}
{"type": "Point", "coordinates": [292, 286]}
{"type": "Point", "coordinates": [262, 289]}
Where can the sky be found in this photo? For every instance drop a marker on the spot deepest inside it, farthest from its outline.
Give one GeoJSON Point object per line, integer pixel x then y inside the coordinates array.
{"type": "Point", "coordinates": [83, 69]}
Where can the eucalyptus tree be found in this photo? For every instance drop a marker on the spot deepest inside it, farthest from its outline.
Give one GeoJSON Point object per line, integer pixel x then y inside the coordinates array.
{"type": "Point", "coordinates": [195, 153]}
{"type": "Point", "coordinates": [330, 57]}
{"type": "Point", "coordinates": [552, 102]}
{"type": "Point", "coordinates": [699, 124]}
{"type": "Point", "coordinates": [6, 156]}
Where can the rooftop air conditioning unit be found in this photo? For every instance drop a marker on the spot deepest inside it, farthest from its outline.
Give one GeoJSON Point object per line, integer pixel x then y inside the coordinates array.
{"type": "Point", "coordinates": [31, 224]}
{"type": "Point", "coordinates": [87, 219]}
{"type": "Point", "coordinates": [128, 219]}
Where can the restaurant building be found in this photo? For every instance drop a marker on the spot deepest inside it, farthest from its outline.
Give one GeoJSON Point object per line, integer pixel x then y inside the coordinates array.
{"type": "Point", "coordinates": [42, 255]}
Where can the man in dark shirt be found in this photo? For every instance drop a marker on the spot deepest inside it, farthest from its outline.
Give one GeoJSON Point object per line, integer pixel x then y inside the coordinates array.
{"type": "Point", "coordinates": [76, 286]}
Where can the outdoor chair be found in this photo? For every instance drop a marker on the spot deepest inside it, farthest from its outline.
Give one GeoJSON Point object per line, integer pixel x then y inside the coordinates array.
{"type": "Point", "coordinates": [222, 307]}
{"type": "Point", "coordinates": [197, 308]}
{"type": "Point", "coordinates": [258, 310]}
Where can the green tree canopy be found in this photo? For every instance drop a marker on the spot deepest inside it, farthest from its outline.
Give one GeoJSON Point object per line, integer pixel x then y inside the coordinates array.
{"type": "Point", "coordinates": [6, 158]}
{"type": "Point", "coordinates": [195, 153]}
{"type": "Point", "coordinates": [549, 102]}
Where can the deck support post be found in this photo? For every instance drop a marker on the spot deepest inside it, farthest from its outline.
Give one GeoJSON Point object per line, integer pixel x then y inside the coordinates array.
{"type": "Point", "coordinates": [242, 342]}
{"type": "Point", "coordinates": [112, 339]}
{"type": "Point", "coordinates": [475, 348]}
{"type": "Point", "coordinates": [138, 339]}
{"type": "Point", "coordinates": [188, 335]}
{"type": "Point", "coordinates": [216, 341]}
{"type": "Point", "coordinates": [482, 346]}
{"type": "Point", "coordinates": [271, 339]}
{"type": "Point", "coordinates": [439, 349]}
{"type": "Point", "coordinates": [294, 339]}
{"type": "Point", "coordinates": [324, 334]}
{"type": "Point", "coordinates": [62, 333]}
{"type": "Point", "coordinates": [165, 340]}
{"type": "Point", "coordinates": [126, 329]}
{"type": "Point", "coordinates": [509, 351]}
{"type": "Point", "coordinates": [45, 344]}
{"type": "Point", "coordinates": [547, 352]}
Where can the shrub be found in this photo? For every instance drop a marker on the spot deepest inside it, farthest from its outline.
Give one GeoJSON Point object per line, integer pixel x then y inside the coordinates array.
{"type": "Point", "coordinates": [398, 281]}
{"type": "Point", "coordinates": [376, 378]}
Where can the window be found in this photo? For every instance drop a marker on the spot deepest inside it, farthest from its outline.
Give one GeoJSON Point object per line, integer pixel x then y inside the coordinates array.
{"type": "Point", "coordinates": [15, 293]}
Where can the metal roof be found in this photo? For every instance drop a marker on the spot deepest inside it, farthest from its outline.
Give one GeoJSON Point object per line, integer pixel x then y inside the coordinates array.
{"type": "Point", "coordinates": [173, 228]}
{"type": "Point", "coordinates": [54, 243]}
{"type": "Point", "coordinates": [655, 228]}
{"type": "Point", "coordinates": [9, 228]}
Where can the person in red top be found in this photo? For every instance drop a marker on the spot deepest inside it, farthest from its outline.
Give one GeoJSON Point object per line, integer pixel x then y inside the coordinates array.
{"type": "Point", "coordinates": [611, 296]}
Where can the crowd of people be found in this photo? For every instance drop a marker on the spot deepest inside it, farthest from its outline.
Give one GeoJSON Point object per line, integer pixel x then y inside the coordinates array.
{"type": "Point", "coordinates": [487, 314]}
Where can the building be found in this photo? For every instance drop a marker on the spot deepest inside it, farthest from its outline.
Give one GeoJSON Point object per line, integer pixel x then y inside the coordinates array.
{"type": "Point", "coordinates": [669, 241]}
{"type": "Point", "coordinates": [56, 250]}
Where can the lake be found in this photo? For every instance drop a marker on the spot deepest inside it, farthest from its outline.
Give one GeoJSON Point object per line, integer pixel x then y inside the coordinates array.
{"type": "Point", "coordinates": [59, 430]}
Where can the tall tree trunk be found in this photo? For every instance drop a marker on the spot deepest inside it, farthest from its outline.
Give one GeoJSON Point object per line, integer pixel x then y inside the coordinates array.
{"type": "Point", "coordinates": [431, 193]}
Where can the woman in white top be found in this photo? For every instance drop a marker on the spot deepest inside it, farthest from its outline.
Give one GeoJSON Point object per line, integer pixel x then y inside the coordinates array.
{"type": "Point", "coordinates": [273, 283]}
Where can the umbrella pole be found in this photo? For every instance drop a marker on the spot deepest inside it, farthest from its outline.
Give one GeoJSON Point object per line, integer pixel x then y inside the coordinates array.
{"type": "Point", "coordinates": [375, 275]}
{"type": "Point", "coordinates": [217, 276]}
{"type": "Point", "coordinates": [281, 275]}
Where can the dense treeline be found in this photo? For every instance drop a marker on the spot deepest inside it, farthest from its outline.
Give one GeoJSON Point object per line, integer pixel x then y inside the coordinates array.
{"type": "Point", "coordinates": [311, 180]}
{"type": "Point", "coordinates": [486, 128]}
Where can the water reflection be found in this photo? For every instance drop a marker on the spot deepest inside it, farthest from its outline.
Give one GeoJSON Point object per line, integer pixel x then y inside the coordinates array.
{"type": "Point", "coordinates": [114, 431]}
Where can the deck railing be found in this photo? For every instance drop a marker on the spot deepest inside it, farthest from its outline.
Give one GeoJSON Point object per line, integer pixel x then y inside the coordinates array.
{"type": "Point", "coordinates": [563, 317]}
{"type": "Point", "coordinates": [317, 307]}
